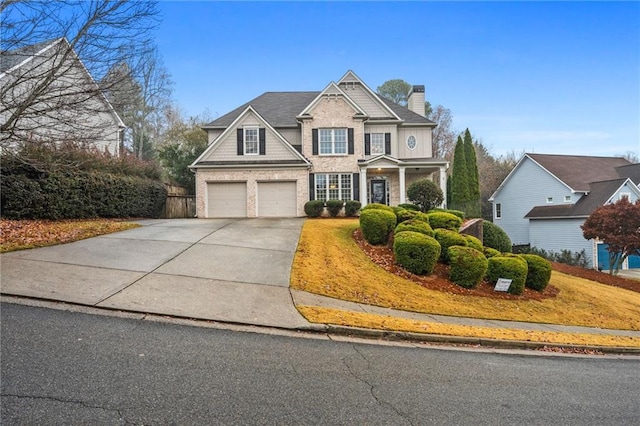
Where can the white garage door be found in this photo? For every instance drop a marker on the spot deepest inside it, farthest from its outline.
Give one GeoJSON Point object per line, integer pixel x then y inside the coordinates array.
{"type": "Point", "coordinates": [227, 199]}
{"type": "Point", "coordinates": [277, 199]}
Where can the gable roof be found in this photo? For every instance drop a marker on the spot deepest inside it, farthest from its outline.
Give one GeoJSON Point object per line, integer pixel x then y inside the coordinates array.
{"type": "Point", "coordinates": [281, 108]}
{"type": "Point", "coordinates": [332, 89]}
{"type": "Point", "coordinates": [10, 59]}
{"type": "Point", "coordinates": [631, 171]}
{"type": "Point", "coordinates": [300, 159]}
{"type": "Point", "coordinates": [577, 171]}
{"type": "Point", "coordinates": [600, 193]}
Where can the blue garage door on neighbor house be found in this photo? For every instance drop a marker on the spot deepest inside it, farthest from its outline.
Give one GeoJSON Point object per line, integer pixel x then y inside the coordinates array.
{"type": "Point", "coordinates": [603, 259]}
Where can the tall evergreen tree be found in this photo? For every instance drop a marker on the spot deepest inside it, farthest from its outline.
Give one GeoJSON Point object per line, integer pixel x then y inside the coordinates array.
{"type": "Point", "coordinates": [459, 179]}
{"type": "Point", "coordinates": [473, 179]}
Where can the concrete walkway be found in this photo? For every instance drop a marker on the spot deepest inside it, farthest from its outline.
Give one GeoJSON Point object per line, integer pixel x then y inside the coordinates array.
{"type": "Point", "coordinates": [226, 270]}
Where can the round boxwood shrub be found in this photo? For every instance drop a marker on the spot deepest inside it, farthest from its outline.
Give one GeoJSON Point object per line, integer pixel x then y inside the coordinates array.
{"type": "Point", "coordinates": [468, 266]}
{"type": "Point", "coordinates": [351, 208]}
{"type": "Point", "coordinates": [416, 252]}
{"type": "Point", "coordinates": [334, 207]}
{"type": "Point", "coordinates": [376, 224]}
{"type": "Point", "coordinates": [414, 226]}
{"type": "Point", "coordinates": [510, 267]}
{"type": "Point", "coordinates": [458, 213]}
{"type": "Point", "coordinates": [314, 208]}
{"type": "Point", "coordinates": [409, 206]}
{"type": "Point", "coordinates": [378, 206]}
{"type": "Point", "coordinates": [539, 272]}
{"type": "Point", "coordinates": [447, 239]}
{"type": "Point", "coordinates": [444, 220]}
{"type": "Point", "coordinates": [496, 238]}
{"type": "Point", "coordinates": [490, 252]}
{"type": "Point", "coordinates": [473, 242]}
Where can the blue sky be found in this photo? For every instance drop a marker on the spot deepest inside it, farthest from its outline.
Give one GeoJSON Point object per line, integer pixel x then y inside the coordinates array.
{"type": "Point", "coordinates": [545, 77]}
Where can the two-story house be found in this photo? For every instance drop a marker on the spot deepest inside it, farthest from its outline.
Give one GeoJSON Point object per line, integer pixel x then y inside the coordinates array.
{"type": "Point", "coordinates": [271, 155]}
{"type": "Point", "coordinates": [546, 198]}
{"type": "Point", "coordinates": [48, 95]}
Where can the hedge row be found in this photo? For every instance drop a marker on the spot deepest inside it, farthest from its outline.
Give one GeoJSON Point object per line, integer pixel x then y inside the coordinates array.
{"type": "Point", "coordinates": [75, 194]}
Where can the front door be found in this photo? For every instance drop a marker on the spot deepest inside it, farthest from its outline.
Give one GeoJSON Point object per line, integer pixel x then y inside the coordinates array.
{"type": "Point", "coordinates": [379, 191]}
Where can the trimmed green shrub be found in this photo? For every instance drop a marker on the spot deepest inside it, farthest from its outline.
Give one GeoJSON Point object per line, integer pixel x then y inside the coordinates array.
{"type": "Point", "coordinates": [409, 206]}
{"type": "Point", "coordinates": [376, 224]}
{"type": "Point", "coordinates": [425, 193]}
{"type": "Point", "coordinates": [416, 252]}
{"type": "Point", "coordinates": [379, 207]}
{"type": "Point", "coordinates": [495, 237]}
{"type": "Point", "coordinates": [404, 214]}
{"type": "Point", "coordinates": [490, 252]}
{"type": "Point", "coordinates": [448, 238]}
{"type": "Point", "coordinates": [314, 208]}
{"type": "Point", "coordinates": [334, 207]}
{"type": "Point", "coordinates": [473, 242]}
{"type": "Point", "coordinates": [468, 266]}
{"type": "Point", "coordinates": [351, 208]}
{"type": "Point", "coordinates": [77, 194]}
{"type": "Point", "coordinates": [414, 226]}
{"type": "Point", "coordinates": [458, 213]}
{"type": "Point", "coordinates": [539, 272]}
{"type": "Point", "coordinates": [444, 220]}
{"type": "Point", "coordinates": [510, 267]}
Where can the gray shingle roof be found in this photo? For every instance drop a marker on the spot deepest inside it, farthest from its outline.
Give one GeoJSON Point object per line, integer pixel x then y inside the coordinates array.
{"type": "Point", "coordinates": [11, 58]}
{"type": "Point", "coordinates": [278, 108]}
{"type": "Point", "coordinates": [281, 108]}
{"type": "Point", "coordinates": [599, 193]}
{"type": "Point", "coordinates": [631, 171]}
{"type": "Point", "coordinates": [577, 171]}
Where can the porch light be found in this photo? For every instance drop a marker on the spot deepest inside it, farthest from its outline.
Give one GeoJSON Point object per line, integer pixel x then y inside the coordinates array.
{"type": "Point", "coordinates": [379, 169]}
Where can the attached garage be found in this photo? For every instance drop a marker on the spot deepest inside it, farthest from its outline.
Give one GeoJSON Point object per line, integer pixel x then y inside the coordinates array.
{"type": "Point", "coordinates": [227, 199]}
{"type": "Point", "coordinates": [277, 199]}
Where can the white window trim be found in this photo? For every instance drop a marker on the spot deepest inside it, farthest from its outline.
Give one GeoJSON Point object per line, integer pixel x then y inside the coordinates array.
{"type": "Point", "coordinates": [626, 195]}
{"type": "Point", "coordinates": [244, 140]}
{"type": "Point", "coordinates": [567, 198]}
{"type": "Point", "coordinates": [381, 146]}
{"type": "Point", "coordinates": [549, 200]}
{"type": "Point", "coordinates": [333, 141]}
{"type": "Point", "coordinates": [498, 214]}
{"type": "Point", "coordinates": [326, 189]}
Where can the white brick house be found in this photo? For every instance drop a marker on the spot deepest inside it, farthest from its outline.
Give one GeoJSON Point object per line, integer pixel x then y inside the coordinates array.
{"type": "Point", "coordinates": [271, 155]}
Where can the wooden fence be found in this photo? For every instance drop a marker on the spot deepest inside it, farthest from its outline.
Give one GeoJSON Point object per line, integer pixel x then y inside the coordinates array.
{"type": "Point", "coordinates": [179, 203]}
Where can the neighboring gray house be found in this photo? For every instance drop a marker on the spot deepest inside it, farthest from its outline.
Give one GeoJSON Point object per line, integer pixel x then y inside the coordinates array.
{"type": "Point", "coordinates": [545, 199]}
{"type": "Point", "coordinates": [54, 98]}
{"type": "Point", "coordinates": [271, 155]}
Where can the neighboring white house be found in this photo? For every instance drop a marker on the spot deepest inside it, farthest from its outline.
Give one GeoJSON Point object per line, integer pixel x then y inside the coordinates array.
{"type": "Point", "coordinates": [54, 98]}
{"type": "Point", "coordinates": [545, 199]}
{"type": "Point", "coordinates": [271, 155]}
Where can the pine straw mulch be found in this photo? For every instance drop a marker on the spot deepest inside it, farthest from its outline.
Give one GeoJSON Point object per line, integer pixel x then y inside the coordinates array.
{"type": "Point", "coordinates": [439, 280]}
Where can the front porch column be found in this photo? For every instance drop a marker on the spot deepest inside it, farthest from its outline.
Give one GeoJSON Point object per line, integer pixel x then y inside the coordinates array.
{"type": "Point", "coordinates": [443, 185]}
{"type": "Point", "coordinates": [403, 195]}
{"type": "Point", "coordinates": [363, 187]}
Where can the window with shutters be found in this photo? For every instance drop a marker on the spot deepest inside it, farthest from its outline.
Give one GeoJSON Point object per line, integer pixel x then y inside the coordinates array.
{"type": "Point", "coordinates": [251, 141]}
{"type": "Point", "coordinates": [334, 186]}
{"type": "Point", "coordinates": [332, 141]}
{"type": "Point", "coordinates": [377, 143]}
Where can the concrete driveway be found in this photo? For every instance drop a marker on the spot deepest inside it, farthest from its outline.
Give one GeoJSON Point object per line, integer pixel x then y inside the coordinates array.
{"type": "Point", "coordinates": [232, 270]}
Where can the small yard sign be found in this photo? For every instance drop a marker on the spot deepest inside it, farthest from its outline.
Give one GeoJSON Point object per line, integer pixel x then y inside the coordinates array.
{"type": "Point", "coordinates": [502, 284]}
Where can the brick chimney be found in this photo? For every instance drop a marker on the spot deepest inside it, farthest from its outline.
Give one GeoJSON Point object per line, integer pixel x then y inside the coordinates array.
{"type": "Point", "coordinates": [416, 100]}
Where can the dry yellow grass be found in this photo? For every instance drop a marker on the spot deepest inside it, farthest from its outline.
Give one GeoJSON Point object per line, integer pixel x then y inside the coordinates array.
{"type": "Point", "coordinates": [379, 322]}
{"type": "Point", "coordinates": [328, 262]}
{"type": "Point", "coordinates": [26, 234]}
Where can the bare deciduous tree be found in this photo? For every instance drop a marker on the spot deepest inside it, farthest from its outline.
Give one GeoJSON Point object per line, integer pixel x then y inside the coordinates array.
{"type": "Point", "coordinates": [443, 137]}
{"type": "Point", "coordinates": [52, 89]}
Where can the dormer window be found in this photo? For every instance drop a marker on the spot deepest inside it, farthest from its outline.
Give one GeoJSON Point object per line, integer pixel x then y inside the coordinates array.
{"type": "Point", "coordinates": [549, 200]}
{"type": "Point", "coordinates": [567, 198]}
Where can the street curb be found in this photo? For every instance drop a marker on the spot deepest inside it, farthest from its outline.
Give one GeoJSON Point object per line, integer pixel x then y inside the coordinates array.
{"type": "Point", "coordinates": [459, 340]}
{"type": "Point", "coordinates": [327, 329]}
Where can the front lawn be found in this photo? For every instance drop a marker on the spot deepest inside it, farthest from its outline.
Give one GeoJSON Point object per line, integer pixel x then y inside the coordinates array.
{"type": "Point", "coordinates": [329, 262]}
{"type": "Point", "coordinates": [26, 234]}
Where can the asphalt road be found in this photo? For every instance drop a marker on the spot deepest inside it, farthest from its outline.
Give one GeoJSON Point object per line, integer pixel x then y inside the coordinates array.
{"type": "Point", "coordinates": [71, 368]}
